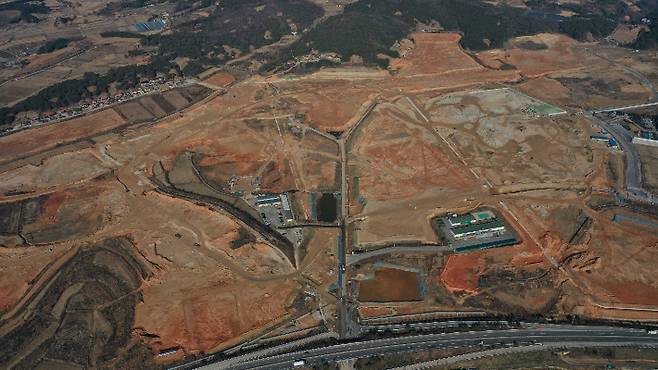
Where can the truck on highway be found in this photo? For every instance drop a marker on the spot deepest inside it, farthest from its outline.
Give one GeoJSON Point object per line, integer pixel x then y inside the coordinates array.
{"type": "Point", "coordinates": [298, 363]}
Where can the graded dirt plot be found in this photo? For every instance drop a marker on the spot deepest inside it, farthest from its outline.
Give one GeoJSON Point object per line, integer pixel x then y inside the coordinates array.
{"type": "Point", "coordinates": [368, 312]}
{"type": "Point", "coordinates": [74, 213]}
{"type": "Point", "coordinates": [203, 309]}
{"type": "Point", "coordinates": [398, 157]}
{"type": "Point", "coordinates": [547, 89]}
{"type": "Point", "coordinates": [461, 272]}
{"type": "Point", "coordinates": [58, 170]}
{"type": "Point", "coordinates": [224, 240]}
{"type": "Point", "coordinates": [400, 174]}
{"type": "Point", "coordinates": [263, 155]}
{"type": "Point", "coordinates": [501, 280]}
{"type": "Point", "coordinates": [19, 277]}
{"type": "Point", "coordinates": [330, 106]}
{"type": "Point", "coordinates": [537, 55]}
{"type": "Point", "coordinates": [499, 135]}
{"type": "Point", "coordinates": [434, 53]}
{"type": "Point", "coordinates": [603, 87]}
{"type": "Point", "coordinates": [616, 268]}
{"type": "Point", "coordinates": [649, 159]}
{"type": "Point", "coordinates": [244, 151]}
{"type": "Point", "coordinates": [390, 285]}
{"type": "Point", "coordinates": [220, 79]}
{"type": "Point", "coordinates": [35, 140]}
{"type": "Point", "coordinates": [134, 112]}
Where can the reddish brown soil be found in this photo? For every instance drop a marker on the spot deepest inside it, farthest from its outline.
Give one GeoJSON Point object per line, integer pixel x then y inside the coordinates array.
{"type": "Point", "coordinates": [461, 272]}
{"type": "Point", "coordinates": [617, 267]}
{"type": "Point", "coordinates": [434, 53]}
{"type": "Point", "coordinates": [561, 54]}
{"type": "Point", "coordinates": [202, 310]}
{"type": "Point", "coordinates": [220, 79]}
{"type": "Point", "coordinates": [332, 106]}
{"type": "Point", "coordinates": [390, 285]}
{"type": "Point", "coordinates": [41, 138]}
{"type": "Point", "coordinates": [401, 170]}
{"type": "Point", "coordinates": [277, 177]}
{"type": "Point", "coordinates": [368, 312]}
{"type": "Point", "coordinates": [20, 267]}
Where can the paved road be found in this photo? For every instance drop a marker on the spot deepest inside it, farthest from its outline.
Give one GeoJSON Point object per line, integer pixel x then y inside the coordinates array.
{"type": "Point", "coordinates": [626, 107]}
{"type": "Point", "coordinates": [532, 334]}
{"type": "Point", "coordinates": [429, 248]}
{"type": "Point", "coordinates": [633, 170]}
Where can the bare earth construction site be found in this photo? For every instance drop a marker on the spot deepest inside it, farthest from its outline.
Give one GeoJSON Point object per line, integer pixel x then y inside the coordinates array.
{"type": "Point", "coordinates": [275, 208]}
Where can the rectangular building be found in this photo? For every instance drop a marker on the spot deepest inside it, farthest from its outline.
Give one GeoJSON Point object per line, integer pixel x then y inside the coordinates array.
{"type": "Point", "coordinates": [478, 229]}
{"type": "Point", "coordinates": [268, 199]}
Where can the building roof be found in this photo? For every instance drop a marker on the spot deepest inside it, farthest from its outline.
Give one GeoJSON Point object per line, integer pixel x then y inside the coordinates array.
{"type": "Point", "coordinates": [483, 215]}
{"type": "Point", "coordinates": [480, 226]}
{"type": "Point", "coordinates": [461, 219]}
{"type": "Point", "coordinates": [268, 199]}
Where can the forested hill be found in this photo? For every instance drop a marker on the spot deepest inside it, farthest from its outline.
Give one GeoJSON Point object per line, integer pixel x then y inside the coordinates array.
{"type": "Point", "coordinates": [371, 27]}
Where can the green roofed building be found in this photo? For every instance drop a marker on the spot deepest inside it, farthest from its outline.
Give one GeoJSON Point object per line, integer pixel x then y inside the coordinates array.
{"type": "Point", "coordinates": [460, 220]}
{"type": "Point", "coordinates": [491, 226]}
{"type": "Point", "coordinates": [470, 218]}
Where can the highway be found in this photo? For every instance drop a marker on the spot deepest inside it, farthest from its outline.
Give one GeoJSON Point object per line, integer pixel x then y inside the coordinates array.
{"type": "Point", "coordinates": [531, 334]}
{"type": "Point", "coordinates": [512, 350]}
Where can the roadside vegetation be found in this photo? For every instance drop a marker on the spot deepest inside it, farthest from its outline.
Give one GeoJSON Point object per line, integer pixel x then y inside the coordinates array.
{"type": "Point", "coordinates": [123, 34]}
{"type": "Point", "coordinates": [53, 45]}
{"type": "Point", "coordinates": [649, 39]}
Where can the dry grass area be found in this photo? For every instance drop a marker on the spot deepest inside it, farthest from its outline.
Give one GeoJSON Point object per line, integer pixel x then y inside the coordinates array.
{"type": "Point", "coordinates": [434, 53]}
{"type": "Point", "coordinates": [537, 55]}
{"type": "Point", "coordinates": [649, 158]}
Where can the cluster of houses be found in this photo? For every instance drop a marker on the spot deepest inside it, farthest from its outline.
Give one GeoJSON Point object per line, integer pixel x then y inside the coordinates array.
{"type": "Point", "coordinates": [99, 103]}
